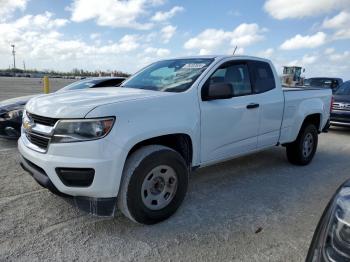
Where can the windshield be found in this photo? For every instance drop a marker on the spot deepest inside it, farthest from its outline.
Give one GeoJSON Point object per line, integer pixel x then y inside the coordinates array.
{"type": "Point", "coordinates": [175, 75]}
{"type": "Point", "coordinates": [344, 89]}
{"type": "Point", "coordinates": [87, 83]}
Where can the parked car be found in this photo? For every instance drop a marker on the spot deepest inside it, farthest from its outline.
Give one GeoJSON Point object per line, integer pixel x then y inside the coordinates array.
{"type": "Point", "coordinates": [332, 235]}
{"type": "Point", "coordinates": [324, 82]}
{"type": "Point", "coordinates": [340, 115]}
{"type": "Point", "coordinates": [134, 146]}
{"type": "Point", "coordinates": [11, 110]}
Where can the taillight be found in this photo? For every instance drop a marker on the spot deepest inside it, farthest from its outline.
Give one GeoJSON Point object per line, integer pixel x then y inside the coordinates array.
{"type": "Point", "coordinates": [332, 102]}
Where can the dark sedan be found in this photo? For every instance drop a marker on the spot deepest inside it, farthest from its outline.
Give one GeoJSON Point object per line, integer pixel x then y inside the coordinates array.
{"type": "Point", "coordinates": [11, 110]}
{"type": "Point", "coordinates": [340, 115]}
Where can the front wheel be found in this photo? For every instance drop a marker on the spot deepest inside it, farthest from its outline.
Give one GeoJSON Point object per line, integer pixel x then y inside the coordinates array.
{"type": "Point", "coordinates": [154, 184]}
{"type": "Point", "coordinates": [303, 149]}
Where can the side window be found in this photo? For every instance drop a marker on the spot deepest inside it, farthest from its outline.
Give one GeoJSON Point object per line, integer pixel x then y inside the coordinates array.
{"type": "Point", "coordinates": [263, 79]}
{"type": "Point", "coordinates": [235, 74]}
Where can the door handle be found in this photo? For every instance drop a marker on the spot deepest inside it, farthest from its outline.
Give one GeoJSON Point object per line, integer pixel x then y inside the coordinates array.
{"type": "Point", "coordinates": [252, 105]}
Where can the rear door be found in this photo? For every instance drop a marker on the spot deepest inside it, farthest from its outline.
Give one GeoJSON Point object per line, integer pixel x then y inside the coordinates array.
{"type": "Point", "coordinates": [269, 96]}
{"type": "Point", "coordinates": [229, 127]}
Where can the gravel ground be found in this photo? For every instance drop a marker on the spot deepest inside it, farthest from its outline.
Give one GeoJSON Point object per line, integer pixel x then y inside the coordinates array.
{"type": "Point", "coordinates": [226, 207]}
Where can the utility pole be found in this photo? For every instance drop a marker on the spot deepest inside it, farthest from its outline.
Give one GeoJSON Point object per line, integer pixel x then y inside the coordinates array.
{"type": "Point", "coordinates": [24, 66]}
{"type": "Point", "coordinates": [14, 59]}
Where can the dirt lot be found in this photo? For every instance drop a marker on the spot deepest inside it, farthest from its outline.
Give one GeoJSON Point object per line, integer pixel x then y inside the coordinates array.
{"type": "Point", "coordinates": [218, 220]}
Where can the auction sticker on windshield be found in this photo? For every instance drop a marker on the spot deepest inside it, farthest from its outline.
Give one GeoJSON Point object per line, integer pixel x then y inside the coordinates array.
{"type": "Point", "coordinates": [194, 66]}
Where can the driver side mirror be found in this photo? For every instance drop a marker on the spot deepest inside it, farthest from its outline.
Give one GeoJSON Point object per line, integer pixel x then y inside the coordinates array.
{"type": "Point", "coordinates": [216, 91]}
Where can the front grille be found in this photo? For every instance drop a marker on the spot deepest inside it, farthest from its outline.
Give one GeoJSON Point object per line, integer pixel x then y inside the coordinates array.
{"type": "Point", "coordinates": [341, 106]}
{"type": "Point", "coordinates": [47, 121]}
{"type": "Point", "coordinates": [38, 140]}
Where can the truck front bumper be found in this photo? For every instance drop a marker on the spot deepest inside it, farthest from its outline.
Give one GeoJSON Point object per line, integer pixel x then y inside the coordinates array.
{"type": "Point", "coordinates": [99, 195]}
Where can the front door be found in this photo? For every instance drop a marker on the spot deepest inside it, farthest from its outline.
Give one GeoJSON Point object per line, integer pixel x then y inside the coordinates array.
{"type": "Point", "coordinates": [229, 127]}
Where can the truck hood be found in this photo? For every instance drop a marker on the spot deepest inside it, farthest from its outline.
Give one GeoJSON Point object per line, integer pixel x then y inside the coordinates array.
{"type": "Point", "coordinates": [76, 104]}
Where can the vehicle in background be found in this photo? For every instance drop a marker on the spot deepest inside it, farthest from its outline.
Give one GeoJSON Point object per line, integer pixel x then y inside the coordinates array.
{"type": "Point", "coordinates": [292, 76]}
{"type": "Point", "coordinates": [134, 146]}
{"type": "Point", "coordinates": [11, 110]}
{"type": "Point", "coordinates": [340, 115]}
{"type": "Point", "coordinates": [323, 82]}
{"type": "Point", "coordinates": [332, 235]}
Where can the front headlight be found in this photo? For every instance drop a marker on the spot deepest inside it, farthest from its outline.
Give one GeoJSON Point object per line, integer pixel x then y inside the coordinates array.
{"type": "Point", "coordinates": [67, 131]}
{"type": "Point", "coordinates": [13, 114]}
{"type": "Point", "coordinates": [331, 241]}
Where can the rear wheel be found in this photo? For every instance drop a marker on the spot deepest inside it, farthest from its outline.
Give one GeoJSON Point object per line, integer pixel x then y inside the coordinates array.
{"type": "Point", "coordinates": [303, 149]}
{"type": "Point", "coordinates": [155, 180]}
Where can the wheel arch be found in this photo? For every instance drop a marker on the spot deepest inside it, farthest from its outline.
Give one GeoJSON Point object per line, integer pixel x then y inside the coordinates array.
{"type": "Point", "coordinates": [180, 142]}
{"type": "Point", "coordinates": [315, 119]}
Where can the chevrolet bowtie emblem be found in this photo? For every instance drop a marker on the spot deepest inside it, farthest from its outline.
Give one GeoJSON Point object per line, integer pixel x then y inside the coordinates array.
{"type": "Point", "coordinates": [28, 125]}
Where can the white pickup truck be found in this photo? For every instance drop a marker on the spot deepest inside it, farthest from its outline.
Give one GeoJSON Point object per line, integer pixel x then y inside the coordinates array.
{"type": "Point", "coordinates": [133, 147]}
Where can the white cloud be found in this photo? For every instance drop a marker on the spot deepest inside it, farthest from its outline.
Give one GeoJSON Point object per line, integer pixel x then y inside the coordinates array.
{"type": "Point", "coordinates": [163, 16]}
{"type": "Point", "coordinates": [45, 47]}
{"type": "Point", "coordinates": [266, 53]}
{"type": "Point", "coordinates": [152, 54]}
{"type": "Point", "coordinates": [239, 51]}
{"type": "Point", "coordinates": [333, 65]}
{"type": "Point", "coordinates": [340, 57]}
{"type": "Point", "coordinates": [126, 44]}
{"type": "Point", "coordinates": [282, 9]}
{"type": "Point", "coordinates": [94, 36]}
{"type": "Point", "coordinates": [167, 33]}
{"type": "Point", "coordinates": [329, 51]}
{"type": "Point", "coordinates": [7, 7]}
{"type": "Point", "coordinates": [340, 23]}
{"type": "Point", "coordinates": [211, 40]}
{"type": "Point", "coordinates": [118, 14]}
{"type": "Point", "coordinates": [307, 41]}
{"type": "Point", "coordinates": [160, 52]}
{"type": "Point", "coordinates": [308, 59]}
{"type": "Point", "coordinates": [326, 63]}
{"type": "Point", "coordinates": [42, 21]}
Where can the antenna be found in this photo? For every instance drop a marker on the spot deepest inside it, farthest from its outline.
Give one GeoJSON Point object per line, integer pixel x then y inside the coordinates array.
{"type": "Point", "coordinates": [234, 51]}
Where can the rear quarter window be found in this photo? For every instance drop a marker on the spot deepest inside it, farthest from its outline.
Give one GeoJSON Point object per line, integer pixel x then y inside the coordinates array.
{"type": "Point", "coordinates": [262, 77]}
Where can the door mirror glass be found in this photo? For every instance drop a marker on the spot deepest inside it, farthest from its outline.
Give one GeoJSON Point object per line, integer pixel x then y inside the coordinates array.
{"type": "Point", "coordinates": [215, 91]}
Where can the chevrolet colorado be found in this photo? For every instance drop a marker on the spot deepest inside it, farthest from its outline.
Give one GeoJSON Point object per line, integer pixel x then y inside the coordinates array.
{"type": "Point", "coordinates": [133, 147]}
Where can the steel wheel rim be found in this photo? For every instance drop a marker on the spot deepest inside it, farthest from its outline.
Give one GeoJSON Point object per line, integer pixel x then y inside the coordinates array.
{"type": "Point", "coordinates": [159, 187]}
{"type": "Point", "coordinates": [308, 145]}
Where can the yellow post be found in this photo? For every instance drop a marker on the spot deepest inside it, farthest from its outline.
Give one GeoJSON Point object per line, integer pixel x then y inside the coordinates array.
{"type": "Point", "coordinates": [46, 84]}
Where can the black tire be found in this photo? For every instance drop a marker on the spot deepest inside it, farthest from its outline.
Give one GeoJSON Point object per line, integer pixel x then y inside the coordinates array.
{"type": "Point", "coordinates": [137, 168]}
{"type": "Point", "coordinates": [296, 152]}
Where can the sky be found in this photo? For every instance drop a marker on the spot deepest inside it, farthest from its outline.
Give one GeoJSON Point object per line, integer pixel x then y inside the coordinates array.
{"type": "Point", "coordinates": [126, 35]}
